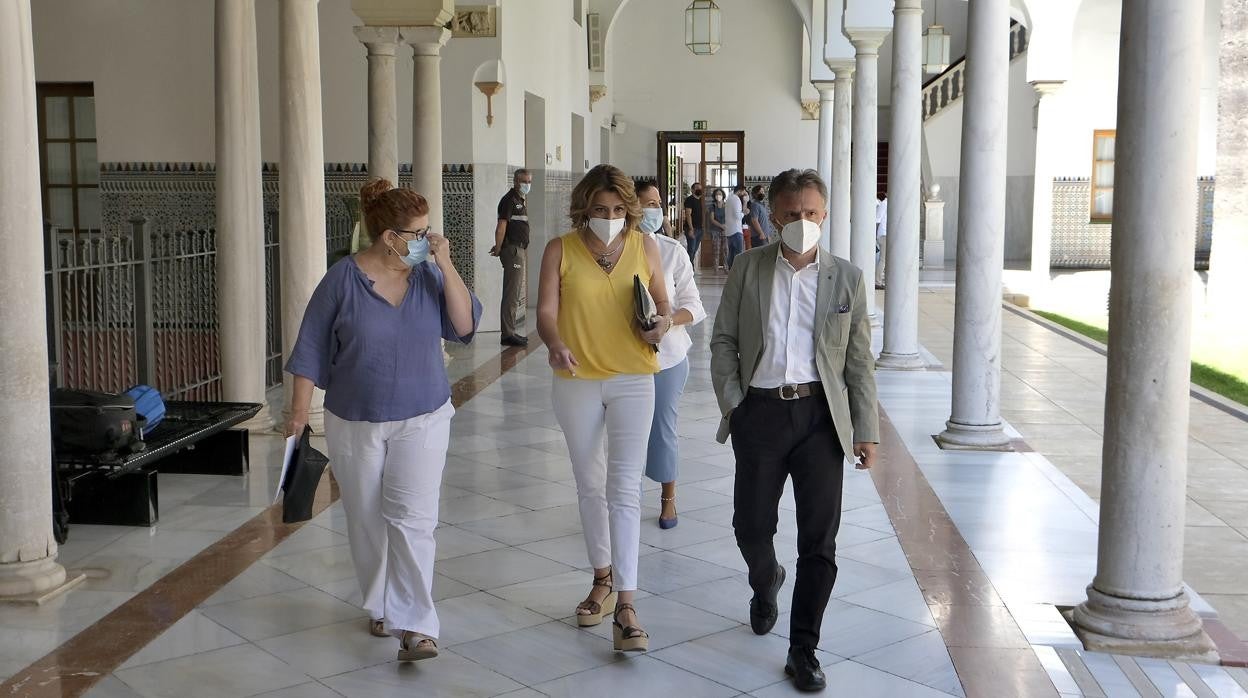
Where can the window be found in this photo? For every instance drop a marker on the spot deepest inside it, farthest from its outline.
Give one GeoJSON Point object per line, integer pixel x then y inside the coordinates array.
{"type": "Point", "coordinates": [1103, 176]}
{"type": "Point", "coordinates": [68, 163]}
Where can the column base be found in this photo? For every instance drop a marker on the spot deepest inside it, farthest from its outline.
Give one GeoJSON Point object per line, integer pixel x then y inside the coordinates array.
{"type": "Point", "coordinates": [34, 582]}
{"type": "Point", "coordinates": [973, 437]}
{"type": "Point", "coordinates": [262, 422]}
{"type": "Point", "coordinates": [877, 319]}
{"type": "Point", "coordinates": [1163, 628]}
{"type": "Point", "coordinates": [889, 361]}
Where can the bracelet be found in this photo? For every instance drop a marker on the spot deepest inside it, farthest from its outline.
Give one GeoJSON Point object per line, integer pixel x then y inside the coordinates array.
{"type": "Point", "coordinates": [670, 323]}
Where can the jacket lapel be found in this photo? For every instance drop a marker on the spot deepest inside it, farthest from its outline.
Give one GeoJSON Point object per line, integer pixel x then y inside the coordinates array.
{"type": "Point", "coordinates": [766, 277]}
{"type": "Point", "coordinates": [823, 301]}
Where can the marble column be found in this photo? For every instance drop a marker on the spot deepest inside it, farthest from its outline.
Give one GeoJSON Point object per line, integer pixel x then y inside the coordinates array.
{"type": "Point", "coordinates": [240, 209]}
{"type": "Point", "coordinates": [1136, 603]}
{"type": "Point", "coordinates": [865, 160]}
{"type": "Point", "coordinates": [901, 300]}
{"type": "Point", "coordinates": [427, 45]}
{"type": "Point", "coordinates": [383, 109]}
{"type": "Point", "coordinates": [28, 551]}
{"type": "Point", "coordinates": [842, 121]}
{"type": "Point", "coordinates": [975, 421]}
{"type": "Point", "coordinates": [1048, 138]}
{"type": "Point", "coordinates": [302, 181]}
{"type": "Point", "coordinates": [827, 91]}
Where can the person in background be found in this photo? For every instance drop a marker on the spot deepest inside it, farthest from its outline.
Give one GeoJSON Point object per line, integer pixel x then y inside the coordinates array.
{"type": "Point", "coordinates": [371, 339]}
{"type": "Point", "coordinates": [663, 454]}
{"type": "Point", "coordinates": [511, 242]}
{"type": "Point", "coordinates": [693, 215]}
{"type": "Point", "coordinates": [761, 230]}
{"type": "Point", "coordinates": [881, 238]}
{"type": "Point", "coordinates": [734, 233]}
{"type": "Point", "coordinates": [718, 214]}
{"type": "Point", "coordinates": [793, 372]}
{"type": "Point", "coordinates": [604, 366]}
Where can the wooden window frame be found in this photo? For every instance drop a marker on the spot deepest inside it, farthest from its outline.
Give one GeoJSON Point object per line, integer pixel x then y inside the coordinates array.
{"type": "Point", "coordinates": [70, 90]}
{"type": "Point", "coordinates": [1093, 188]}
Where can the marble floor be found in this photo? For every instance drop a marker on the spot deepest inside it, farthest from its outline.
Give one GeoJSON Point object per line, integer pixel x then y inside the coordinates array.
{"type": "Point", "coordinates": [975, 615]}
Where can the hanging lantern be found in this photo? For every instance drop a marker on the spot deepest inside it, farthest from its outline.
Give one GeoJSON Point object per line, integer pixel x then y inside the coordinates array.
{"type": "Point", "coordinates": [702, 27]}
{"type": "Point", "coordinates": [935, 49]}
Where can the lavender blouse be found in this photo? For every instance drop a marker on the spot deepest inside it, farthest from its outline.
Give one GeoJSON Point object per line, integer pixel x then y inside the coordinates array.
{"type": "Point", "coordinates": [376, 362]}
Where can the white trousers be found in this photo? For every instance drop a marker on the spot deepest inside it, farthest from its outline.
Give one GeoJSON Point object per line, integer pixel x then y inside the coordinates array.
{"type": "Point", "coordinates": [390, 475]}
{"type": "Point", "coordinates": [608, 488]}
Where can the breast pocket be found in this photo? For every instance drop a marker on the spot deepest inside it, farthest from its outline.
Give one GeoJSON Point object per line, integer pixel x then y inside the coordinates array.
{"type": "Point", "coordinates": [836, 333]}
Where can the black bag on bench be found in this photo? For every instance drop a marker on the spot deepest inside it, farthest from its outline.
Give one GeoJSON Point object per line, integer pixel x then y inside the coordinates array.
{"type": "Point", "coordinates": [94, 423]}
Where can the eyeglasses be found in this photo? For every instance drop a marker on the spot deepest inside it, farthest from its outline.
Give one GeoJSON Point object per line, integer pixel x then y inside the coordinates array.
{"type": "Point", "coordinates": [420, 234]}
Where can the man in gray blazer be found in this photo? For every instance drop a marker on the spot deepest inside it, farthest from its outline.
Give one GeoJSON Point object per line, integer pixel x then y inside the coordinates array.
{"type": "Point", "coordinates": [793, 371]}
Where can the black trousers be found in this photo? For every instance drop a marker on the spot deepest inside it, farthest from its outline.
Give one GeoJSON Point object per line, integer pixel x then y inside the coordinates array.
{"type": "Point", "coordinates": [775, 439]}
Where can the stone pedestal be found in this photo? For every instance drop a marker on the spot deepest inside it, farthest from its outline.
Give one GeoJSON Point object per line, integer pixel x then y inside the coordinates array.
{"type": "Point", "coordinates": [27, 549]}
{"type": "Point", "coordinates": [842, 132]}
{"type": "Point", "coordinates": [865, 157]}
{"type": "Point", "coordinates": [427, 43]}
{"type": "Point", "coordinates": [934, 229]}
{"type": "Point", "coordinates": [901, 301]}
{"type": "Point", "coordinates": [1136, 603]}
{"type": "Point", "coordinates": [975, 420]}
{"type": "Point", "coordinates": [302, 181]}
{"type": "Point", "coordinates": [383, 106]}
{"type": "Point", "coordinates": [827, 92]}
{"type": "Point", "coordinates": [240, 211]}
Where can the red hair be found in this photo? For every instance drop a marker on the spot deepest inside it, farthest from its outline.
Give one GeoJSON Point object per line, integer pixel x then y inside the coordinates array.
{"type": "Point", "coordinates": [386, 207]}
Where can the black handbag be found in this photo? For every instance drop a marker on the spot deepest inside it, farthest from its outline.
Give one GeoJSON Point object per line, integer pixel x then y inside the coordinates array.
{"type": "Point", "coordinates": [302, 477]}
{"type": "Point", "coordinates": [644, 309]}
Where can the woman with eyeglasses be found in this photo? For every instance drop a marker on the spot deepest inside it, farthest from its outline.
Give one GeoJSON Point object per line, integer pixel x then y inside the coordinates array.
{"type": "Point", "coordinates": [371, 339]}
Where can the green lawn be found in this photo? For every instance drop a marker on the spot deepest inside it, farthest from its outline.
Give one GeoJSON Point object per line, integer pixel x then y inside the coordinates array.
{"type": "Point", "coordinates": [1207, 377]}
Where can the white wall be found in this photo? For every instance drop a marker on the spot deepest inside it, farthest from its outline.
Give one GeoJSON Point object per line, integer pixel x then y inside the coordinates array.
{"type": "Point", "coordinates": [751, 84]}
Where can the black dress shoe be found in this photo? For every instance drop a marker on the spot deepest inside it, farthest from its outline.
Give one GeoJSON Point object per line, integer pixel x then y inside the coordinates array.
{"type": "Point", "coordinates": [515, 341]}
{"type": "Point", "coordinates": [763, 611]}
{"type": "Point", "coordinates": [803, 668]}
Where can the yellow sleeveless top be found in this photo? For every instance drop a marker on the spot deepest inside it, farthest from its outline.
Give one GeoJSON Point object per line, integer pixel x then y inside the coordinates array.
{"type": "Point", "coordinates": [596, 310]}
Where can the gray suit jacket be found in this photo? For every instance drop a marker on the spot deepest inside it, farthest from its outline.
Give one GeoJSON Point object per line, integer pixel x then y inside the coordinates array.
{"type": "Point", "coordinates": [842, 343]}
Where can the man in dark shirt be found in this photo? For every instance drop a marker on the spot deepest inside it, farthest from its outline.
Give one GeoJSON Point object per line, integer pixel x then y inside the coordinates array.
{"type": "Point", "coordinates": [511, 240]}
{"type": "Point", "coordinates": [693, 221]}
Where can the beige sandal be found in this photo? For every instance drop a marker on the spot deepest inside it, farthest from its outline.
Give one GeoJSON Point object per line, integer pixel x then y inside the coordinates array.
{"type": "Point", "coordinates": [377, 627]}
{"type": "Point", "coordinates": [415, 646]}
{"type": "Point", "coordinates": [628, 638]}
{"type": "Point", "coordinates": [589, 612]}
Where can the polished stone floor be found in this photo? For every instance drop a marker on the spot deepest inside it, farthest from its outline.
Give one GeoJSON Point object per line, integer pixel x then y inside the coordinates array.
{"type": "Point", "coordinates": [511, 562]}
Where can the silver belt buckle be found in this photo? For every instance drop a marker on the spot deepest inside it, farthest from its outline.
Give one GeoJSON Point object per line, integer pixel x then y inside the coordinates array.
{"type": "Point", "coordinates": [788, 392]}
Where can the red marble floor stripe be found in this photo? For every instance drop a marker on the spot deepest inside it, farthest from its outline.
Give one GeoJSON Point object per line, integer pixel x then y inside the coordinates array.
{"type": "Point", "coordinates": [988, 649]}
{"type": "Point", "coordinates": [87, 658]}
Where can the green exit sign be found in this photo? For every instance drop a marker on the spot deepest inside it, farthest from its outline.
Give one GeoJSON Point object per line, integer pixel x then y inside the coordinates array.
{"type": "Point", "coordinates": [699, 126]}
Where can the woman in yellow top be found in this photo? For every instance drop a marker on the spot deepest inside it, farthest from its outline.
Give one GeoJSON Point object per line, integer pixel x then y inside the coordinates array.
{"type": "Point", "coordinates": [604, 380]}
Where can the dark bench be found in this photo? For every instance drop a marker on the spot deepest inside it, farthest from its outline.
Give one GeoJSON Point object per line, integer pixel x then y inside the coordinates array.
{"type": "Point", "coordinates": [194, 437]}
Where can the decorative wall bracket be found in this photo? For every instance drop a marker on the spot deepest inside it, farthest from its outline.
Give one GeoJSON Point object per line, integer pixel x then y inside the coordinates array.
{"type": "Point", "coordinates": [596, 93]}
{"type": "Point", "coordinates": [489, 89]}
{"type": "Point", "coordinates": [475, 22]}
{"type": "Point", "coordinates": [810, 110]}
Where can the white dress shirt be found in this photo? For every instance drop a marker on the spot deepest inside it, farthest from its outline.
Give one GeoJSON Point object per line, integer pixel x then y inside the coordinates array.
{"type": "Point", "coordinates": [881, 217]}
{"type": "Point", "coordinates": [683, 294]}
{"type": "Point", "coordinates": [735, 217]}
{"type": "Point", "coordinates": [789, 352]}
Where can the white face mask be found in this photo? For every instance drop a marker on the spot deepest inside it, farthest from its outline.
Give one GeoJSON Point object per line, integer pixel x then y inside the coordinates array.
{"type": "Point", "coordinates": [606, 229]}
{"type": "Point", "coordinates": [651, 220]}
{"type": "Point", "coordinates": [801, 235]}
{"type": "Point", "coordinates": [525, 187]}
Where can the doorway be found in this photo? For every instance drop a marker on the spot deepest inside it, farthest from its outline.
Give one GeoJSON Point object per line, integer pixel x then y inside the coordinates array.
{"type": "Point", "coordinates": [715, 158]}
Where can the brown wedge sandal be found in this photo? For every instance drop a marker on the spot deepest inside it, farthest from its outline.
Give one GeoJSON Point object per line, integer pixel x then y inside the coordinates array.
{"type": "Point", "coordinates": [589, 612]}
{"type": "Point", "coordinates": [629, 638]}
{"type": "Point", "coordinates": [415, 646]}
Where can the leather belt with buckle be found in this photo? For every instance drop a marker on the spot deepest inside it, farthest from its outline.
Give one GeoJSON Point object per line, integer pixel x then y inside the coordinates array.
{"type": "Point", "coordinates": [789, 392]}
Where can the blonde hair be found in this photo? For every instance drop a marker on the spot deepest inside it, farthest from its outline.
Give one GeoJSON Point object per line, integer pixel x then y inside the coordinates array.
{"type": "Point", "coordinates": [604, 178]}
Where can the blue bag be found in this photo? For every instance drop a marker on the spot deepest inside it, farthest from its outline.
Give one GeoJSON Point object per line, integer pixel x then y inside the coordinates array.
{"type": "Point", "coordinates": [148, 404]}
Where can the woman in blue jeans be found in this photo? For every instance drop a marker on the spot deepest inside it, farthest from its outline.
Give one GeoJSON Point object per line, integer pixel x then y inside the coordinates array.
{"type": "Point", "coordinates": [663, 455]}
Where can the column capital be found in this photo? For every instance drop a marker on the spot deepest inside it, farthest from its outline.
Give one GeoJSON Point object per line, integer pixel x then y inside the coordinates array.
{"type": "Point", "coordinates": [907, 6]}
{"type": "Point", "coordinates": [825, 87]}
{"type": "Point", "coordinates": [842, 67]}
{"type": "Point", "coordinates": [425, 40]}
{"type": "Point", "coordinates": [867, 41]}
{"type": "Point", "coordinates": [1044, 88]}
{"type": "Point", "coordinates": [381, 41]}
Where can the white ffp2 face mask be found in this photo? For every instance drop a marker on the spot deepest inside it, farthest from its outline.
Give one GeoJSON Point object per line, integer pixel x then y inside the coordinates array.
{"type": "Point", "coordinates": [801, 235]}
{"type": "Point", "coordinates": [607, 229]}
